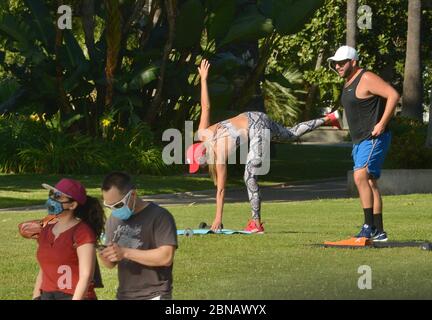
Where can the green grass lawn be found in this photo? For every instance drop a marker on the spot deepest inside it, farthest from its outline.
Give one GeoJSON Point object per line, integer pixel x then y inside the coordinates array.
{"type": "Point", "coordinates": [292, 163]}
{"type": "Point", "coordinates": [25, 189]}
{"type": "Point", "coordinates": [281, 264]}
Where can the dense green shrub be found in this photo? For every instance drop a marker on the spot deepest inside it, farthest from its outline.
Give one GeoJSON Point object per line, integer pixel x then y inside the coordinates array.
{"type": "Point", "coordinates": [408, 150]}
{"type": "Point", "coordinates": [17, 133]}
{"type": "Point", "coordinates": [33, 145]}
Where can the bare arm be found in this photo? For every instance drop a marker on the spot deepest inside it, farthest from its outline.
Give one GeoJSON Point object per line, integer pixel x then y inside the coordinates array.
{"type": "Point", "coordinates": [377, 86]}
{"type": "Point", "coordinates": [36, 290]}
{"type": "Point", "coordinates": [221, 171]}
{"type": "Point", "coordinates": [205, 100]}
{"type": "Point", "coordinates": [162, 256]}
{"type": "Point", "coordinates": [86, 260]}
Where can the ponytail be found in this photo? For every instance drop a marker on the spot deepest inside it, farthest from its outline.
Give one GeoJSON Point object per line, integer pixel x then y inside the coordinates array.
{"type": "Point", "coordinates": [93, 214]}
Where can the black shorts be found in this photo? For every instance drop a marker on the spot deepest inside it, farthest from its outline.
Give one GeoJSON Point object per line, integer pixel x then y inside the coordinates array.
{"type": "Point", "coordinates": [55, 295]}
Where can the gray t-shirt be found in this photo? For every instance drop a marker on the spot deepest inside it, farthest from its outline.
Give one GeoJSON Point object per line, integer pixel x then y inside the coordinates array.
{"type": "Point", "coordinates": [150, 228]}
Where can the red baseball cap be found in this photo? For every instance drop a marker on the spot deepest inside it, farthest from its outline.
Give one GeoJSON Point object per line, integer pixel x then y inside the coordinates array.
{"type": "Point", "coordinates": [195, 156]}
{"type": "Point", "coordinates": [70, 188]}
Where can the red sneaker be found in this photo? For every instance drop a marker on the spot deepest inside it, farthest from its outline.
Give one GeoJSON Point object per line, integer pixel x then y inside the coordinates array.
{"type": "Point", "coordinates": [335, 119]}
{"type": "Point", "coordinates": [253, 228]}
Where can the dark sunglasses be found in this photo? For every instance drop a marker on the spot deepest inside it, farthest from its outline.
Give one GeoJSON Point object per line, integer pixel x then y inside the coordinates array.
{"type": "Point", "coordinates": [340, 63]}
{"type": "Point", "coordinates": [55, 195]}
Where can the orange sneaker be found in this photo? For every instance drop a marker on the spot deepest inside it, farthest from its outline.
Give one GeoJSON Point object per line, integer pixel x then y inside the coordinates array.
{"type": "Point", "coordinates": [253, 228]}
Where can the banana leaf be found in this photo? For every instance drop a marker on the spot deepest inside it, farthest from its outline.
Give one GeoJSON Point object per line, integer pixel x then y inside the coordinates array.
{"type": "Point", "coordinates": [289, 16]}
{"type": "Point", "coordinates": [249, 25]}
{"type": "Point", "coordinates": [189, 24]}
{"type": "Point", "coordinates": [220, 16]}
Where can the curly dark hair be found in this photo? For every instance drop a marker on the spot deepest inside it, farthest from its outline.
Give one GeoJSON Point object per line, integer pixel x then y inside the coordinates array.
{"type": "Point", "coordinates": [93, 214]}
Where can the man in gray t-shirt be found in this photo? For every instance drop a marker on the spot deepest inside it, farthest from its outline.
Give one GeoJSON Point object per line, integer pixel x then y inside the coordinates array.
{"type": "Point", "coordinates": [141, 239]}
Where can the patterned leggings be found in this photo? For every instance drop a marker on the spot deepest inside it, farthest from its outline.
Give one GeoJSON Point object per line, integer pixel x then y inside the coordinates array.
{"type": "Point", "coordinates": [258, 123]}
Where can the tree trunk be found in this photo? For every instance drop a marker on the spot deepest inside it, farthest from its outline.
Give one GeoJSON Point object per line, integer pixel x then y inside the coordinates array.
{"type": "Point", "coordinates": [135, 15]}
{"type": "Point", "coordinates": [153, 18]}
{"type": "Point", "coordinates": [88, 24]}
{"type": "Point", "coordinates": [248, 89]}
{"type": "Point", "coordinates": [65, 106]}
{"type": "Point", "coordinates": [351, 23]}
{"type": "Point", "coordinates": [113, 38]}
{"type": "Point", "coordinates": [313, 90]}
{"type": "Point", "coordinates": [155, 107]}
{"type": "Point", "coordinates": [429, 134]}
{"type": "Point", "coordinates": [412, 102]}
{"type": "Point", "coordinates": [351, 34]}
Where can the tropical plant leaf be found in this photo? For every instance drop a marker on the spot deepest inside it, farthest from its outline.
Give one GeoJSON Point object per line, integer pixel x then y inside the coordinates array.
{"type": "Point", "coordinates": [289, 16]}
{"type": "Point", "coordinates": [11, 102]}
{"type": "Point", "coordinates": [282, 96]}
{"type": "Point", "coordinates": [226, 62]}
{"type": "Point", "coordinates": [42, 22]}
{"type": "Point", "coordinates": [73, 79]}
{"type": "Point", "coordinates": [8, 87]}
{"type": "Point", "coordinates": [249, 25]}
{"type": "Point", "coordinates": [144, 77]}
{"type": "Point", "coordinates": [20, 33]}
{"type": "Point", "coordinates": [189, 24]}
{"type": "Point", "coordinates": [220, 16]}
{"type": "Point", "coordinates": [221, 93]}
{"type": "Point", "coordinates": [67, 123]}
{"type": "Point", "coordinates": [72, 49]}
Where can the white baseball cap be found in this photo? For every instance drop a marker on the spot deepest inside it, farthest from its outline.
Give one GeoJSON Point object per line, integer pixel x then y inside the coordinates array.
{"type": "Point", "coordinates": [343, 53]}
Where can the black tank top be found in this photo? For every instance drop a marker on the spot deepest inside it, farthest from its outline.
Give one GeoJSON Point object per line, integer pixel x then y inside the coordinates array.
{"type": "Point", "coordinates": [362, 114]}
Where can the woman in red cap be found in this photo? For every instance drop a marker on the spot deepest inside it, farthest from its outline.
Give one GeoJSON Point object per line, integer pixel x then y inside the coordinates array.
{"type": "Point", "coordinates": [220, 140]}
{"type": "Point", "coordinates": [66, 251]}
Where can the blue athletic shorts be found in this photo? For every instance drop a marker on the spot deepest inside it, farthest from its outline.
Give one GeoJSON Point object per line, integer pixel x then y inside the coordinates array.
{"type": "Point", "coordinates": [370, 154]}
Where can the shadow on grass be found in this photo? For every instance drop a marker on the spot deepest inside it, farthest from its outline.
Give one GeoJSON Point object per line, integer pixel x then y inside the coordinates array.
{"type": "Point", "coordinates": [10, 202]}
{"type": "Point", "coordinates": [31, 182]}
{"type": "Point", "coordinates": [146, 185]}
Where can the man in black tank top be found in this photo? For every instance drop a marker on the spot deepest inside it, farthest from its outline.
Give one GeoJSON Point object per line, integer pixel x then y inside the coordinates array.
{"type": "Point", "coordinates": [369, 103]}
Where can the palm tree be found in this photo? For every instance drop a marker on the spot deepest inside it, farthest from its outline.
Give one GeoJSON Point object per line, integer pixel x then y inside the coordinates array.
{"type": "Point", "coordinates": [428, 4]}
{"type": "Point", "coordinates": [171, 10]}
{"type": "Point", "coordinates": [313, 90]}
{"type": "Point", "coordinates": [412, 102]}
{"type": "Point", "coordinates": [113, 40]}
{"type": "Point", "coordinates": [351, 33]}
{"type": "Point", "coordinates": [429, 134]}
{"type": "Point", "coordinates": [282, 103]}
{"type": "Point", "coordinates": [351, 25]}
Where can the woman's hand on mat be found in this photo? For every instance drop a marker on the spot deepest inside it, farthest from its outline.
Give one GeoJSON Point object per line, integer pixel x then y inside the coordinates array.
{"type": "Point", "coordinates": [113, 253]}
{"type": "Point", "coordinates": [203, 69]}
{"type": "Point", "coordinates": [378, 130]}
{"type": "Point", "coordinates": [216, 225]}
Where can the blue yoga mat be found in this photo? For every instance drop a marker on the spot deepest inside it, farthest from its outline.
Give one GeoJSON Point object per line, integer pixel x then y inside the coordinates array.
{"type": "Point", "coordinates": [208, 231]}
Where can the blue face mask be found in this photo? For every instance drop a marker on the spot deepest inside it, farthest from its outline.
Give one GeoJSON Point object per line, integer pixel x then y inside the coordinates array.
{"type": "Point", "coordinates": [124, 213]}
{"type": "Point", "coordinates": [54, 207]}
